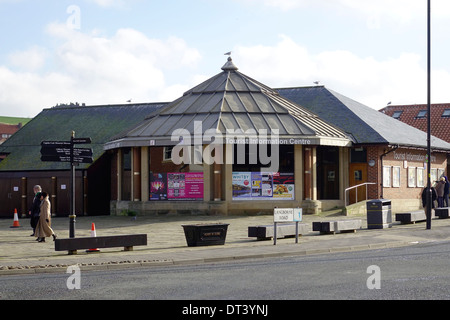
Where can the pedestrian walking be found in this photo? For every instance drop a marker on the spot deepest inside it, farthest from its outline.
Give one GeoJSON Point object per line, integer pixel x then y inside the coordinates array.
{"type": "Point", "coordinates": [446, 191]}
{"type": "Point", "coordinates": [35, 208]}
{"type": "Point", "coordinates": [43, 228]}
{"type": "Point", "coordinates": [440, 186]}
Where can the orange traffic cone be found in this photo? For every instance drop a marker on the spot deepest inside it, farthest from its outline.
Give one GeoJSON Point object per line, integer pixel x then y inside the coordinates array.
{"type": "Point", "coordinates": [93, 234]}
{"type": "Point", "coordinates": [16, 220]}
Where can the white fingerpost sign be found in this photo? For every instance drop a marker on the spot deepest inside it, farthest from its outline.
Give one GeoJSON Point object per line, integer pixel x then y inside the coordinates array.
{"type": "Point", "coordinates": [286, 215]}
{"type": "Point", "coordinates": [283, 215]}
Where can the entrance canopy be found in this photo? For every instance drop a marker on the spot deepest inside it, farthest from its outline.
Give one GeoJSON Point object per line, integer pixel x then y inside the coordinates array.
{"type": "Point", "coordinates": [229, 103]}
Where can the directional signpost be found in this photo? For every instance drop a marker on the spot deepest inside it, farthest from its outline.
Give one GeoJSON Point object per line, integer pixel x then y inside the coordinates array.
{"type": "Point", "coordinates": [64, 151]}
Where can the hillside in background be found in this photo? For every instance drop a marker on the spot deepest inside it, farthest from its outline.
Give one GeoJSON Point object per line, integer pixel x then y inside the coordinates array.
{"type": "Point", "coordinates": [14, 120]}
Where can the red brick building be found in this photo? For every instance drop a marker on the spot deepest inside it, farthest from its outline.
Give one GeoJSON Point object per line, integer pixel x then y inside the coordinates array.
{"type": "Point", "coordinates": [416, 116]}
{"type": "Point", "coordinates": [7, 130]}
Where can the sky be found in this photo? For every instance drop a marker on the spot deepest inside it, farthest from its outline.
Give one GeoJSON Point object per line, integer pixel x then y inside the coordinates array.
{"type": "Point", "coordinates": [111, 51]}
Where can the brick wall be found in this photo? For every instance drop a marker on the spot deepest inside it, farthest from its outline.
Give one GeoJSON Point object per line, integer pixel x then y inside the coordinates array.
{"type": "Point", "coordinates": [402, 159]}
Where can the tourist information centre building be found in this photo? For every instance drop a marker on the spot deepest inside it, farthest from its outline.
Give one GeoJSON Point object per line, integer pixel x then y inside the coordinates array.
{"type": "Point", "coordinates": [230, 145]}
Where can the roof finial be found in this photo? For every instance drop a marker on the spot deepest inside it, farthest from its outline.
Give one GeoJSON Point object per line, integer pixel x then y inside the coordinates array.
{"type": "Point", "coordinates": [229, 66]}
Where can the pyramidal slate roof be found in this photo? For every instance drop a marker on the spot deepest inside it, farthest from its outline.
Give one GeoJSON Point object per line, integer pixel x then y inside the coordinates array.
{"type": "Point", "coordinates": [366, 125]}
{"type": "Point", "coordinates": [99, 123]}
{"type": "Point", "coordinates": [231, 101]}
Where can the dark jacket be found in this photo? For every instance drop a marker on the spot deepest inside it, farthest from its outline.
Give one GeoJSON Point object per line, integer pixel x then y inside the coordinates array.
{"type": "Point", "coordinates": [36, 206]}
{"type": "Point", "coordinates": [424, 197]}
{"type": "Point", "coordinates": [446, 188]}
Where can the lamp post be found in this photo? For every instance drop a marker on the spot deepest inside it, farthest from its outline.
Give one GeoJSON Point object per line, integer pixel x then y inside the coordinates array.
{"type": "Point", "coordinates": [428, 194]}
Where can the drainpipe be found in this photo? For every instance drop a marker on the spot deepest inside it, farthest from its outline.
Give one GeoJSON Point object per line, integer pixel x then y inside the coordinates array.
{"type": "Point", "coordinates": [381, 161]}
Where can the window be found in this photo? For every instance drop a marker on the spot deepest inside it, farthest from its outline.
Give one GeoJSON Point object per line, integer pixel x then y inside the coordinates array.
{"type": "Point", "coordinates": [167, 155]}
{"type": "Point", "coordinates": [421, 177]}
{"type": "Point", "coordinates": [396, 177]}
{"type": "Point", "coordinates": [446, 113]}
{"type": "Point", "coordinates": [386, 177]}
{"type": "Point", "coordinates": [422, 114]}
{"type": "Point", "coordinates": [412, 177]}
{"type": "Point", "coordinates": [397, 114]}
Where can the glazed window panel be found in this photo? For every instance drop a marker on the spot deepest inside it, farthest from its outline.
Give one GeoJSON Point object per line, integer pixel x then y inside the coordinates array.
{"type": "Point", "coordinates": [386, 176]}
{"type": "Point", "coordinates": [412, 177]}
{"type": "Point", "coordinates": [420, 177]}
{"type": "Point", "coordinates": [396, 177]}
{"type": "Point", "coordinates": [433, 175]}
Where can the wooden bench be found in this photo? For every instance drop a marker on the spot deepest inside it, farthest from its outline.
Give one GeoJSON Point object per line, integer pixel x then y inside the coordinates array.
{"type": "Point", "coordinates": [442, 213]}
{"type": "Point", "coordinates": [332, 227]}
{"type": "Point", "coordinates": [126, 241]}
{"type": "Point", "coordinates": [283, 231]}
{"type": "Point", "coordinates": [413, 216]}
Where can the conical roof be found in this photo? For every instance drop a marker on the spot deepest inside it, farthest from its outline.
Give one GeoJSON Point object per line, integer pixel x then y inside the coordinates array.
{"type": "Point", "coordinates": [228, 102]}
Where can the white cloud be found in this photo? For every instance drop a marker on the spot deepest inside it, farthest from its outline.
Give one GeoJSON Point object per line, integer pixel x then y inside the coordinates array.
{"type": "Point", "coordinates": [108, 3]}
{"type": "Point", "coordinates": [94, 69]}
{"type": "Point", "coordinates": [31, 59]}
{"type": "Point", "coordinates": [401, 79]}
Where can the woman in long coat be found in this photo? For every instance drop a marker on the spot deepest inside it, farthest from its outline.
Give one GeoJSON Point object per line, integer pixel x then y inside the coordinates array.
{"type": "Point", "coordinates": [43, 228]}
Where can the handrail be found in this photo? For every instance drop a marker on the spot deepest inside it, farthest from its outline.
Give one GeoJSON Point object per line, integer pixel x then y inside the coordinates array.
{"type": "Point", "coordinates": [357, 186]}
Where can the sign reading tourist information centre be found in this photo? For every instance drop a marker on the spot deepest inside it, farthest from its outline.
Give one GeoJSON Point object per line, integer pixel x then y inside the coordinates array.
{"type": "Point", "coordinates": [263, 186]}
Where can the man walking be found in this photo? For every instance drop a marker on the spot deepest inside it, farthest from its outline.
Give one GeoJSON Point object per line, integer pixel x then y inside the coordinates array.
{"type": "Point", "coordinates": [35, 208]}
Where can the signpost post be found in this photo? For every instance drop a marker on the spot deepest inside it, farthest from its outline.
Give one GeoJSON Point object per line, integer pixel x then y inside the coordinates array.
{"type": "Point", "coordinates": [64, 151]}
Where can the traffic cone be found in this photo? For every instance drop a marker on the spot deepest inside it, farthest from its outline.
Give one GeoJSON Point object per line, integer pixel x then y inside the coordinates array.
{"type": "Point", "coordinates": [93, 234]}
{"type": "Point", "coordinates": [16, 220]}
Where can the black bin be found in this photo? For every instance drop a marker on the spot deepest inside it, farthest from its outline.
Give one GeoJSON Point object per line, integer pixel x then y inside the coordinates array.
{"type": "Point", "coordinates": [379, 214]}
{"type": "Point", "coordinates": [205, 234]}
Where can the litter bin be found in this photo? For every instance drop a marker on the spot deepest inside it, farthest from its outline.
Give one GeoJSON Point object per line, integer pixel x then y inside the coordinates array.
{"type": "Point", "coordinates": [205, 234]}
{"type": "Point", "coordinates": [379, 214]}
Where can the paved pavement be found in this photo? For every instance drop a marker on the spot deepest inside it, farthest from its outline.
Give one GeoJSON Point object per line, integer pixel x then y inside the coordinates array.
{"type": "Point", "coordinates": [20, 253]}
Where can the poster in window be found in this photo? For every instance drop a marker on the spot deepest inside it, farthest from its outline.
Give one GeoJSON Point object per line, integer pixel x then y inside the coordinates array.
{"type": "Point", "coordinates": [185, 186]}
{"type": "Point", "coordinates": [176, 186]}
{"type": "Point", "coordinates": [242, 188]}
{"type": "Point", "coordinates": [263, 186]}
{"type": "Point", "coordinates": [283, 186]}
{"type": "Point", "coordinates": [158, 186]}
{"type": "Point", "coordinates": [256, 184]}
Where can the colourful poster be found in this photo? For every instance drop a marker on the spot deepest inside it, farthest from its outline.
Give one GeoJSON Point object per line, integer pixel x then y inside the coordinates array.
{"type": "Point", "coordinates": [283, 186]}
{"type": "Point", "coordinates": [242, 185]}
{"type": "Point", "coordinates": [267, 184]}
{"type": "Point", "coordinates": [158, 186]}
{"type": "Point", "coordinates": [176, 186]}
{"type": "Point", "coordinates": [263, 186]}
{"type": "Point", "coordinates": [185, 186]}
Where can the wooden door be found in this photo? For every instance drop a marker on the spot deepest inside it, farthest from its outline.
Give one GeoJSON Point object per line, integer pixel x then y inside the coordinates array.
{"type": "Point", "coordinates": [357, 176]}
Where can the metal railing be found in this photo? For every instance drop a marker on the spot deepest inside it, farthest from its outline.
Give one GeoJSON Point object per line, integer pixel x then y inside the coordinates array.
{"type": "Point", "coordinates": [356, 187]}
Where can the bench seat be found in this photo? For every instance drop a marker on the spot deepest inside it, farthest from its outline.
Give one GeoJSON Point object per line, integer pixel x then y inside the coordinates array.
{"type": "Point", "coordinates": [413, 216]}
{"type": "Point", "coordinates": [126, 241]}
{"type": "Point", "coordinates": [283, 231]}
{"type": "Point", "coordinates": [332, 227]}
{"type": "Point", "coordinates": [442, 213]}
